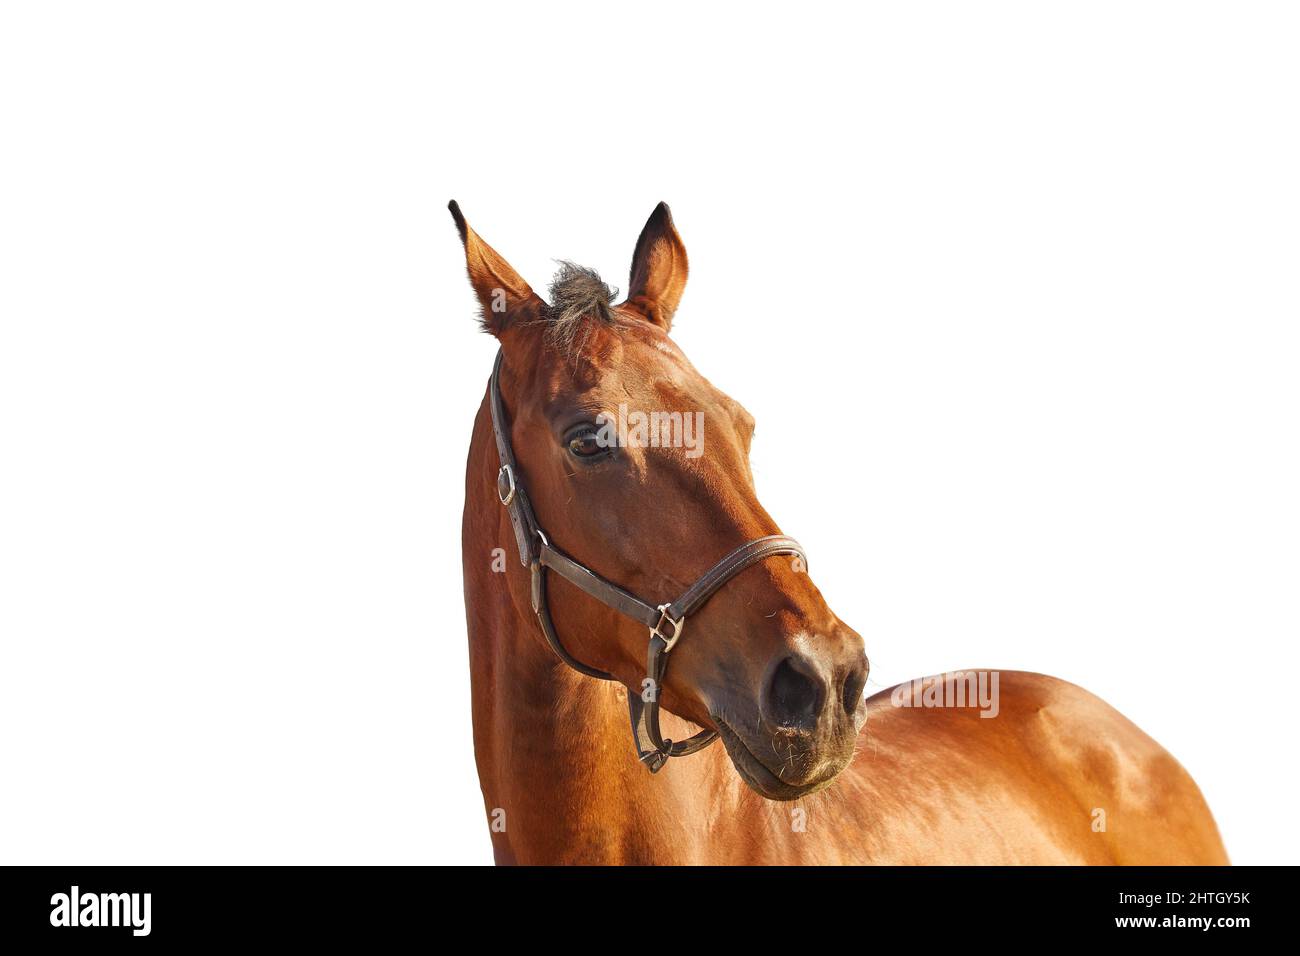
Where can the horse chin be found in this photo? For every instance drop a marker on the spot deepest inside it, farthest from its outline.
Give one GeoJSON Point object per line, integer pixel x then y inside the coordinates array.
{"type": "Point", "coordinates": [758, 777]}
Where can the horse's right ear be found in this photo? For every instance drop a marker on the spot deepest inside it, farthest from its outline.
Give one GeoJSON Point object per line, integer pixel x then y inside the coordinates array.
{"type": "Point", "coordinates": [500, 290]}
{"type": "Point", "coordinates": [659, 270]}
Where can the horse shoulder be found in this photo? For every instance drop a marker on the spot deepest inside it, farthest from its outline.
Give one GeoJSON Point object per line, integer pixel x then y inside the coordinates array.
{"type": "Point", "coordinates": [1049, 773]}
{"type": "Point", "coordinates": [1139, 798]}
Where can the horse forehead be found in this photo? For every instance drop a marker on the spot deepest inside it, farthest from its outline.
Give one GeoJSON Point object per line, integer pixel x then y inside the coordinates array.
{"type": "Point", "coordinates": [639, 369]}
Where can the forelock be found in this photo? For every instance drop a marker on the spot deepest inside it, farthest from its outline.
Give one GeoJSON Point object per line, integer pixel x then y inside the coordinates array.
{"type": "Point", "coordinates": [578, 296]}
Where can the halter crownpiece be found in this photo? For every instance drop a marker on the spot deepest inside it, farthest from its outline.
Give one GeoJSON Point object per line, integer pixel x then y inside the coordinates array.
{"type": "Point", "coordinates": [666, 622]}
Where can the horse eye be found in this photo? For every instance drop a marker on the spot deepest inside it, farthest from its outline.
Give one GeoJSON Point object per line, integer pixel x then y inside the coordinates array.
{"type": "Point", "coordinates": [586, 445]}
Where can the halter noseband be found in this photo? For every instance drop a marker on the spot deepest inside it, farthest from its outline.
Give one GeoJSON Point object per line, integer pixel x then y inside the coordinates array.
{"type": "Point", "coordinates": [665, 621]}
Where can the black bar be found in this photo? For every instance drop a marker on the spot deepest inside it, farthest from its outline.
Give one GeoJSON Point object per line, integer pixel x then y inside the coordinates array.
{"type": "Point", "coordinates": [394, 905]}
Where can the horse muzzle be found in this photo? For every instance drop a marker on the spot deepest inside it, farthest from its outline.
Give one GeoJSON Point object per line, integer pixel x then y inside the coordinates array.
{"type": "Point", "coordinates": [801, 727]}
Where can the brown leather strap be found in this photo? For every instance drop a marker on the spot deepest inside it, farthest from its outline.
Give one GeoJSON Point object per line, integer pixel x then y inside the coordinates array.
{"type": "Point", "coordinates": [656, 664]}
{"type": "Point", "coordinates": [510, 489]}
{"type": "Point", "coordinates": [596, 586]}
{"type": "Point", "coordinates": [726, 569]}
{"type": "Point", "coordinates": [543, 613]}
{"type": "Point", "coordinates": [666, 622]}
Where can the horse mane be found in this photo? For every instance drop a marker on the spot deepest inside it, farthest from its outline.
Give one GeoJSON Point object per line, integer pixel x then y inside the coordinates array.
{"type": "Point", "coordinates": [578, 296]}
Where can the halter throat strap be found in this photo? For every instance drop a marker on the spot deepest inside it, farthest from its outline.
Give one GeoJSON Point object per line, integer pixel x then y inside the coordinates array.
{"type": "Point", "coordinates": [665, 622]}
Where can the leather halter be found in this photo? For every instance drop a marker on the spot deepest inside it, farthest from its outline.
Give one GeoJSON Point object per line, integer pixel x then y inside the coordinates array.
{"type": "Point", "coordinates": [665, 621]}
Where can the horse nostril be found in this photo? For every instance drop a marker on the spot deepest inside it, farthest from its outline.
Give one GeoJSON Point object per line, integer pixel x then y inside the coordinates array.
{"type": "Point", "coordinates": [855, 682]}
{"type": "Point", "coordinates": [794, 697]}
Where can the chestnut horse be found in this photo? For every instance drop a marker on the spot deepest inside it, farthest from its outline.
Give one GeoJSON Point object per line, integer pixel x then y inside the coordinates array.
{"type": "Point", "coordinates": [1044, 773]}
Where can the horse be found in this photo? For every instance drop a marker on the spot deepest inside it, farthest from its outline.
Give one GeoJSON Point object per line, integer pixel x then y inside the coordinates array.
{"type": "Point", "coordinates": [810, 771]}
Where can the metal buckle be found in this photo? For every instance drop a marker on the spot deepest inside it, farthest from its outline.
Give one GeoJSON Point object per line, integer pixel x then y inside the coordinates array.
{"type": "Point", "coordinates": [657, 630]}
{"type": "Point", "coordinates": [507, 473]}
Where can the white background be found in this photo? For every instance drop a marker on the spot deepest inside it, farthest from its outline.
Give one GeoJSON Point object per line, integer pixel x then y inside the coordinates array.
{"type": "Point", "coordinates": [1032, 267]}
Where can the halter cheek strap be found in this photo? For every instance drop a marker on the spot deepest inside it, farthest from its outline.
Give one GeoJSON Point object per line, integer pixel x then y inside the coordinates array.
{"type": "Point", "coordinates": [665, 622]}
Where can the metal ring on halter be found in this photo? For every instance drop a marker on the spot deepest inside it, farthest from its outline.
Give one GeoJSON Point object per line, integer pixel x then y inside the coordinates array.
{"type": "Point", "coordinates": [657, 629]}
{"type": "Point", "coordinates": [509, 474]}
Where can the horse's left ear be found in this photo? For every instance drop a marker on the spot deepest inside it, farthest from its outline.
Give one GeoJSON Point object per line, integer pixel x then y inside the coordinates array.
{"type": "Point", "coordinates": [500, 289]}
{"type": "Point", "coordinates": [658, 270]}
